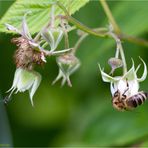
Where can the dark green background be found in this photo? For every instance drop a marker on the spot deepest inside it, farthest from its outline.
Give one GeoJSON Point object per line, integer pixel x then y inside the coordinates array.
{"type": "Point", "coordinates": [81, 115]}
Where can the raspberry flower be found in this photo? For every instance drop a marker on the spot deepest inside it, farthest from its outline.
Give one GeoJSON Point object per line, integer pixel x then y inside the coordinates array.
{"type": "Point", "coordinates": [29, 51]}
{"type": "Point", "coordinates": [51, 34]}
{"type": "Point", "coordinates": [127, 85]}
{"type": "Point", "coordinates": [68, 64]}
{"type": "Point", "coordinates": [26, 56]}
{"type": "Point", "coordinates": [25, 80]}
{"type": "Point", "coordinates": [124, 88]}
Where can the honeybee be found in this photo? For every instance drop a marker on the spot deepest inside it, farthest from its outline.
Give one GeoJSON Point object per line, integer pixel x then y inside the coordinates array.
{"type": "Point", "coordinates": [122, 102]}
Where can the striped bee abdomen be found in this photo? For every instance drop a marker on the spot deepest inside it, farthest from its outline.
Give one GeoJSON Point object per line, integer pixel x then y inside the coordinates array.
{"type": "Point", "coordinates": [136, 100]}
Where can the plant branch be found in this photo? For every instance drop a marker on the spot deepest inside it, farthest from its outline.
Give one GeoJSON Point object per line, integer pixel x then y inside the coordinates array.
{"type": "Point", "coordinates": [80, 40]}
{"type": "Point", "coordinates": [110, 16]}
{"type": "Point", "coordinates": [132, 39]}
{"type": "Point", "coordinates": [51, 53]}
{"type": "Point", "coordinates": [65, 34]}
{"type": "Point", "coordinates": [102, 32]}
{"type": "Point", "coordinates": [81, 26]}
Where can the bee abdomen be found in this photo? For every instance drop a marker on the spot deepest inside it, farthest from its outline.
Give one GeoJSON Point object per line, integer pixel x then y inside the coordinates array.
{"type": "Point", "coordinates": [137, 99]}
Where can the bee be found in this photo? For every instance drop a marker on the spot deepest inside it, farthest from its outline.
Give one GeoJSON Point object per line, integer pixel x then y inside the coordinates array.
{"type": "Point", "coordinates": [122, 102]}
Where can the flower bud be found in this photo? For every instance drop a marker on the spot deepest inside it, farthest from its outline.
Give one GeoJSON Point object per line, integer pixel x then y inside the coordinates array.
{"type": "Point", "coordinates": [115, 63]}
{"type": "Point", "coordinates": [25, 80]}
{"type": "Point", "coordinates": [52, 36]}
{"type": "Point", "coordinates": [68, 64]}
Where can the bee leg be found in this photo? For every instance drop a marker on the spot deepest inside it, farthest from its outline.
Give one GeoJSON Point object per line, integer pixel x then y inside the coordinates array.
{"type": "Point", "coordinates": [116, 94]}
{"type": "Point", "coordinates": [123, 95]}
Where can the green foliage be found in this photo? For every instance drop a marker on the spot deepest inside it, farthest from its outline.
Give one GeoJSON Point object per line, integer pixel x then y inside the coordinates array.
{"type": "Point", "coordinates": [81, 115]}
{"type": "Point", "coordinates": [40, 11]}
{"type": "Point", "coordinates": [136, 11]}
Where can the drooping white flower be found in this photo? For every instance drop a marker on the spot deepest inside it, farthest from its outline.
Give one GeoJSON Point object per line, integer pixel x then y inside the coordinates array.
{"type": "Point", "coordinates": [25, 80]}
{"type": "Point", "coordinates": [128, 84]}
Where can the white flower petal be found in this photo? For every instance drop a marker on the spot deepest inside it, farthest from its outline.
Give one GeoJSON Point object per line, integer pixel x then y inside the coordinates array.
{"type": "Point", "coordinates": [106, 77]}
{"type": "Point", "coordinates": [52, 36]}
{"type": "Point", "coordinates": [131, 74]}
{"type": "Point", "coordinates": [58, 38]}
{"type": "Point", "coordinates": [72, 69]}
{"type": "Point", "coordinates": [12, 28]}
{"type": "Point", "coordinates": [48, 37]}
{"type": "Point", "coordinates": [16, 79]}
{"type": "Point", "coordinates": [36, 83]}
{"type": "Point", "coordinates": [112, 89]}
{"type": "Point", "coordinates": [137, 68]}
{"type": "Point", "coordinates": [25, 81]}
{"type": "Point", "coordinates": [143, 77]}
{"type": "Point", "coordinates": [25, 31]}
{"type": "Point", "coordinates": [121, 85]}
{"type": "Point", "coordinates": [63, 81]}
{"type": "Point", "coordinates": [133, 87]}
{"type": "Point", "coordinates": [60, 75]}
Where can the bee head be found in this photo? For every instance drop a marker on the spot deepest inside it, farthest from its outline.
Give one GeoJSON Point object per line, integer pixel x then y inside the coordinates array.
{"type": "Point", "coordinates": [119, 105]}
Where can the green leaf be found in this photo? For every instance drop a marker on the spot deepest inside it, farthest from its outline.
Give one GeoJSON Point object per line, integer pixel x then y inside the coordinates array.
{"type": "Point", "coordinates": [40, 12]}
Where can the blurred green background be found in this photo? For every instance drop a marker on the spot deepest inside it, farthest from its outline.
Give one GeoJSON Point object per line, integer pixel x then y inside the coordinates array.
{"type": "Point", "coordinates": [82, 115]}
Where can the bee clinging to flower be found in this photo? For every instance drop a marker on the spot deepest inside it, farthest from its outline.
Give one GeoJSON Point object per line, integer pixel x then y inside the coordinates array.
{"type": "Point", "coordinates": [125, 88]}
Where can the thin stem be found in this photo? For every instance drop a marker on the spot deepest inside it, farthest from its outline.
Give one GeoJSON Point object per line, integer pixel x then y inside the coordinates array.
{"type": "Point", "coordinates": [50, 53]}
{"type": "Point", "coordinates": [37, 37]}
{"type": "Point", "coordinates": [119, 48]}
{"type": "Point", "coordinates": [45, 45]}
{"type": "Point", "coordinates": [102, 32]}
{"type": "Point", "coordinates": [123, 58]}
{"type": "Point", "coordinates": [77, 45]}
{"type": "Point", "coordinates": [117, 43]}
{"type": "Point", "coordinates": [110, 16]}
{"type": "Point", "coordinates": [134, 40]}
{"type": "Point", "coordinates": [80, 25]}
{"type": "Point", "coordinates": [66, 40]}
{"type": "Point", "coordinates": [65, 33]}
{"type": "Point", "coordinates": [61, 51]}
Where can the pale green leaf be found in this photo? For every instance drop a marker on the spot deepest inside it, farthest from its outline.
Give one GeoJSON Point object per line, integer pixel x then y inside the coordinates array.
{"type": "Point", "coordinates": [40, 12]}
